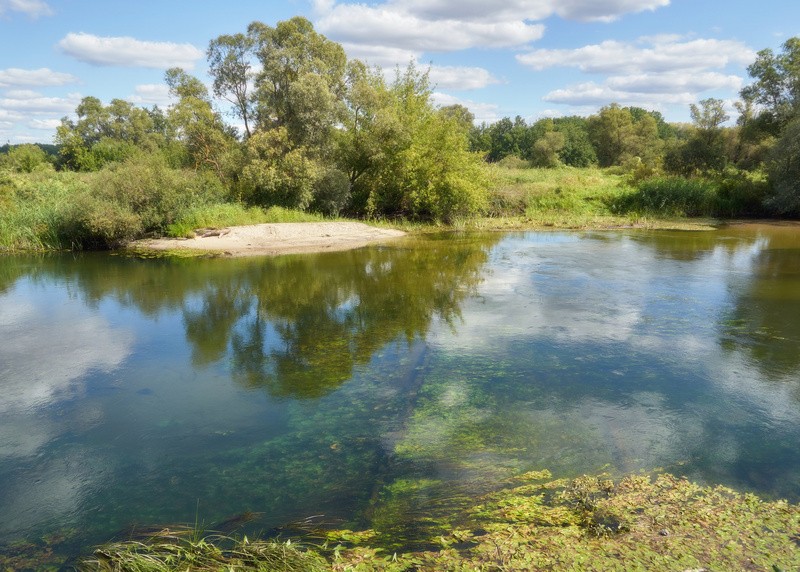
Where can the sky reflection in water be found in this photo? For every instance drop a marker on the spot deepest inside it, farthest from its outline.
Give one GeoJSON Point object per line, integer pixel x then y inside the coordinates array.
{"type": "Point", "coordinates": [132, 390]}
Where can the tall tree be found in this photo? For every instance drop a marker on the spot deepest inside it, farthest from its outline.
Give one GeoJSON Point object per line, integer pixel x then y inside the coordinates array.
{"type": "Point", "coordinates": [196, 123]}
{"type": "Point", "coordinates": [229, 63]}
{"type": "Point", "coordinates": [302, 81]}
{"type": "Point", "coordinates": [777, 84]}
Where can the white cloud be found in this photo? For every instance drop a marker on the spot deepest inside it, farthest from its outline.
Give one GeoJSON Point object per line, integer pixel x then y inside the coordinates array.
{"type": "Point", "coordinates": [661, 54]}
{"type": "Point", "coordinates": [42, 77]}
{"type": "Point", "coordinates": [382, 56]}
{"type": "Point", "coordinates": [594, 94]}
{"type": "Point", "coordinates": [19, 103]}
{"type": "Point", "coordinates": [33, 8]}
{"type": "Point", "coordinates": [129, 52]}
{"type": "Point", "coordinates": [457, 77]}
{"type": "Point", "coordinates": [532, 10]}
{"type": "Point", "coordinates": [393, 26]}
{"type": "Point", "coordinates": [483, 112]}
{"type": "Point", "coordinates": [652, 72]}
{"type": "Point", "coordinates": [44, 124]}
{"type": "Point", "coordinates": [151, 94]}
{"type": "Point", "coordinates": [605, 10]}
{"type": "Point", "coordinates": [674, 82]}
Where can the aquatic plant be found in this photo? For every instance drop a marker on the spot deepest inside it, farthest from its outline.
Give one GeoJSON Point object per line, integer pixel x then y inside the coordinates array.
{"type": "Point", "coordinates": [182, 549]}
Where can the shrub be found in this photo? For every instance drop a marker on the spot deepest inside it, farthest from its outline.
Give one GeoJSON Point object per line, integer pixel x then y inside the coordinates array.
{"type": "Point", "coordinates": [141, 196]}
{"type": "Point", "coordinates": [671, 196]}
{"type": "Point", "coordinates": [784, 173]}
{"type": "Point", "coordinates": [331, 192]}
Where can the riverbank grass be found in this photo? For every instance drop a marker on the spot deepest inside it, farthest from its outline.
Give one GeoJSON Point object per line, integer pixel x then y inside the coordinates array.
{"type": "Point", "coordinates": [535, 523]}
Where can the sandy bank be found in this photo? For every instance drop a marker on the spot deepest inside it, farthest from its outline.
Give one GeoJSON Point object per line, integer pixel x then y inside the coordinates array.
{"type": "Point", "coordinates": [278, 238]}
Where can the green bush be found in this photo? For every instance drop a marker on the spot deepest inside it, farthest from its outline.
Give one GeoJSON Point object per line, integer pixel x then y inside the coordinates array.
{"type": "Point", "coordinates": [331, 193]}
{"type": "Point", "coordinates": [784, 173]}
{"type": "Point", "coordinates": [730, 194]}
{"type": "Point", "coordinates": [38, 210]}
{"type": "Point", "coordinates": [670, 196]}
{"type": "Point", "coordinates": [139, 197]}
{"type": "Point", "coordinates": [741, 194]}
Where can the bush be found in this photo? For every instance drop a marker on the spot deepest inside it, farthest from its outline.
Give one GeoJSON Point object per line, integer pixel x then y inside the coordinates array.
{"type": "Point", "coordinates": [38, 210]}
{"type": "Point", "coordinates": [331, 192]}
{"type": "Point", "coordinates": [784, 173]}
{"type": "Point", "coordinates": [513, 162]}
{"type": "Point", "coordinates": [139, 197]}
{"type": "Point", "coordinates": [670, 196]}
{"type": "Point", "coordinates": [741, 194]}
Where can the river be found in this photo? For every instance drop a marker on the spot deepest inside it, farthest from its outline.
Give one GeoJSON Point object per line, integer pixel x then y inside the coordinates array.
{"type": "Point", "coordinates": [366, 388]}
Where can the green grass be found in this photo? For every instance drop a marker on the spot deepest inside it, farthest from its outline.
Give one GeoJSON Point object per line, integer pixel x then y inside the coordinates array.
{"type": "Point", "coordinates": [534, 523]}
{"type": "Point", "coordinates": [222, 215]}
{"type": "Point", "coordinates": [180, 549]}
{"type": "Point", "coordinates": [565, 197]}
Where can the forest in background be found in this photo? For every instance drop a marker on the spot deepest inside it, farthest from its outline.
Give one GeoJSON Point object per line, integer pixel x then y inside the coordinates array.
{"type": "Point", "coordinates": [322, 134]}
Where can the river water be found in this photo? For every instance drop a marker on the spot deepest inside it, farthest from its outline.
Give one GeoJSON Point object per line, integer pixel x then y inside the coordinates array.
{"type": "Point", "coordinates": [367, 388]}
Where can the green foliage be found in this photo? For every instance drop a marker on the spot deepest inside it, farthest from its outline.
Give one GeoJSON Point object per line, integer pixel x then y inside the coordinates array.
{"type": "Point", "coordinates": [777, 85]}
{"type": "Point", "coordinates": [577, 150]}
{"type": "Point", "coordinates": [620, 134]}
{"type": "Point", "coordinates": [729, 194]}
{"type": "Point", "coordinates": [142, 196]}
{"type": "Point", "coordinates": [25, 158]}
{"type": "Point", "coordinates": [104, 134]}
{"type": "Point", "coordinates": [301, 82]}
{"type": "Point", "coordinates": [425, 170]}
{"type": "Point", "coordinates": [784, 173]}
{"type": "Point", "coordinates": [331, 193]}
{"type": "Point", "coordinates": [534, 523]}
{"type": "Point", "coordinates": [184, 549]}
{"type": "Point", "coordinates": [563, 197]}
{"type": "Point", "coordinates": [276, 172]}
{"type": "Point", "coordinates": [229, 64]}
{"type": "Point", "coordinates": [220, 215]}
{"type": "Point", "coordinates": [208, 141]}
{"type": "Point", "coordinates": [670, 196]}
{"type": "Point", "coordinates": [591, 523]}
{"type": "Point", "coordinates": [37, 210]}
{"type": "Point", "coordinates": [546, 150]}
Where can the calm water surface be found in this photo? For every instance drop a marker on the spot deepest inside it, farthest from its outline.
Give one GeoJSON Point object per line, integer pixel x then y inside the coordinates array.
{"type": "Point", "coordinates": [374, 385]}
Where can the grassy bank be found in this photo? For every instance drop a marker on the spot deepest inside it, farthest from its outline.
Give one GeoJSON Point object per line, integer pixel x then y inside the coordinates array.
{"type": "Point", "coordinates": [535, 523]}
{"type": "Point", "coordinates": [47, 210]}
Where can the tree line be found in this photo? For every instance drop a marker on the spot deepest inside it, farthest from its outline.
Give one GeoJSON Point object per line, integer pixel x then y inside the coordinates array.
{"type": "Point", "coordinates": [321, 132]}
{"type": "Point", "coordinates": [318, 131]}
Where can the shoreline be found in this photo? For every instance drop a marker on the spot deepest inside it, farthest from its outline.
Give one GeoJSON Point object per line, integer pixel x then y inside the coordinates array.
{"type": "Point", "coordinates": [273, 239]}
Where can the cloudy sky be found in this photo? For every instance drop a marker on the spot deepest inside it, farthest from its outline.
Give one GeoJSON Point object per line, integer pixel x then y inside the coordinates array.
{"type": "Point", "coordinates": [533, 58]}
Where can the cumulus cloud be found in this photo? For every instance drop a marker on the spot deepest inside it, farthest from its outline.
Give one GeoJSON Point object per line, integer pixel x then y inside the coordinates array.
{"type": "Point", "coordinates": [44, 124]}
{"type": "Point", "coordinates": [458, 77]}
{"type": "Point", "coordinates": [42, 77]}
{"type": "Point", "coordinates": [19, 103]}
{"type": "Point", "coordinates": [394, 26]}
{"type": "Point", "coordinates": [381, 56]}
{"type": "Point", "coordinates": [653, 71]}
{"type": "Point", "coordinates": [510, 10]}
{"type": "Point", "coordinates": [129, 52]}
{"type": "Point", "coordinates": [151, 94]}
{"type": "Point", "coordinates": [653, 54]}
{"type": "Point", "coordinates": [483, 112]}
{"type": "Point", "coordinates": [674, 82]}
{"type": "Point", "coordinates": [33, 8]}
{"type": "Point", "coordinates": [594, 94]}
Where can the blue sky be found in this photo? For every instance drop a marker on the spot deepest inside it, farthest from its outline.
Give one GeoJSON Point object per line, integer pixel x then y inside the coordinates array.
{"type": "Point", "coordinates": [533, 58]}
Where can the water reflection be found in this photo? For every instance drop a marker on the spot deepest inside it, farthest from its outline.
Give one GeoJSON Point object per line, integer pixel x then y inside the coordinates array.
{"type": "Point", "coordinates": [372, 384]}
{"type": "Point", "coordinates": [591, 352]}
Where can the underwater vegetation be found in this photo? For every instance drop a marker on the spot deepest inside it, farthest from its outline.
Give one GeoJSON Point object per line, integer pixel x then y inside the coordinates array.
{"type": "Point", "coordinates": [535, 523]}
